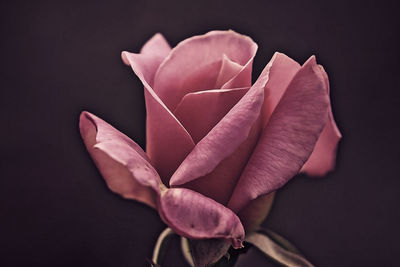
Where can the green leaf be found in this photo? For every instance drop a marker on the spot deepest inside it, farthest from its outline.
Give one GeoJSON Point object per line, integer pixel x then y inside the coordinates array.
{"type": "Point", "coordinates": [277, 248]}
{"type": "Point", "coordinates": [279, 239]}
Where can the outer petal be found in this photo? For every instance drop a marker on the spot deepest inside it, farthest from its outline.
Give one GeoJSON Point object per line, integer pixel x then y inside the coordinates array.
{"type": "Point", "coordinates": [226, 136]}
{"type": "Point", "coordinates": [123, 164]}
{"type": "Point", "coordinates": [127, 171]}
{"type": "Point", "coordinates": [168, 142]}
{"type": "Point", "coordinates": [289, 137]}
{"type": "Point", "coordinates": [152, 54]}
{"type": "Point", "coordinates": [193, 215]}
{"type": "Point", "coordinates": [277, 86]}
{"type": "Point", "coordinates": [199, 112]}
{"type": "Point", "coordinates": [157, 45]}
{"type": "Point", "coordinates": [323, 158]}
{"type": "Point", "coordinates": [199, 59]}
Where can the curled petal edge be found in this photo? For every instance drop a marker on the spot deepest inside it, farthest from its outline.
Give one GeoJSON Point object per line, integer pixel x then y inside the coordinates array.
{"type": "Point", "coordinates": [289, 137]}
{"type": "Point", "coordinates": [105, 144]}
{"type": "Point", "coordinates": [128, 172]}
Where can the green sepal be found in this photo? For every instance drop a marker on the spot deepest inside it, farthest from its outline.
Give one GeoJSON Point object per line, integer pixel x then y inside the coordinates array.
{"type": "Point", "coordinates": [277, 248]}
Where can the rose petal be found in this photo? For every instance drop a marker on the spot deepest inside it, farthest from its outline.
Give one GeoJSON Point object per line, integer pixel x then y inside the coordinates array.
{"type": "Point", "coordinates": [220, 183]}
{"type": "Point", "coordinates": [222, 141]}
{"type": "Point", "coordinates": [242, 78]}
{"type": "Point", "coordinates": [127, 171]}
{"type": "Point", "coordinates": [275, 88]}
{"type": "Point", "coordinates": [168, 142]}
{"type": "Point", "coordinates": [152, 54]}
{"type": "Point", "coordinates": [225, 137]}
{"type": "Point", "coordinates": [123, 164]}
{"type": "Point", "coordinates": [199, 59]}
{"type": "Point", "coordinates": [199, 112]}
{"type": "Point", "coordinates": [323, 157]}
{"type": "Point", "coordinates": [157, 45]}
{"type": "Point", "coordinates": [289, 137]}
{"type": "Point", "coordinates": [229, 69]}
{"type": "Point", "coordinates": [193, 215]}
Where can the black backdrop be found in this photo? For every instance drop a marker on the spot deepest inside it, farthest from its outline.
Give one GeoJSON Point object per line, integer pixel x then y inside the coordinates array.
{"type": "Point", "coordinates": [60, 58]}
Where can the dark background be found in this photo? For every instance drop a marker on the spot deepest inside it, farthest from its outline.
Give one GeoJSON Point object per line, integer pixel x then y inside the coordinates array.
{"type": "Point", "coordinates": [58, 59]}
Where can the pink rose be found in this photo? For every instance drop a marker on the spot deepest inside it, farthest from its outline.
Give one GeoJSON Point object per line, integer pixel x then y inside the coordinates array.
{"type": "Point", "coordinates": [217, 146]}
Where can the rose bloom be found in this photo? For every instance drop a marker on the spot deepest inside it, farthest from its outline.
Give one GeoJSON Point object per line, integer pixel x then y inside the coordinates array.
{"type": "Point", "coordinates": [217, 146]}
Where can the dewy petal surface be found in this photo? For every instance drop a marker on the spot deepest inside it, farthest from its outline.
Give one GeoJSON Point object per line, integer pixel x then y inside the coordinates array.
{"type": "Point", "coordinates": [323, 157]}
{"type": "Point", "coordinates": [193, 215]}
{"type": "Point", "coordinates": [289, 137]}
{"type": "Point", "coordinates": [199, 112]}
{"type": "Point", "coordinates": [199, 59]}
{"type": "Point", "coordinates": [226, 136]}
{"type": "Point", "coordinates": [167, 141]}
{"type": "Point", "coordinates": [123, 164]}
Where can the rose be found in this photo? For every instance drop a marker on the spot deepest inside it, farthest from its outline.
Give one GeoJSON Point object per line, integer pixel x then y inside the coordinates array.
{"type": "Point", "coordinates": [217, 147]}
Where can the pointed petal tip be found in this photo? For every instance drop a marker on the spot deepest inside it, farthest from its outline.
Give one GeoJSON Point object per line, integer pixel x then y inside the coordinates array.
{"type": "Point", "coordinates": [86, 123]}
{"type": "Point", "coordinates": [311, 61]}
{"type": "Point", "coordinates": [337, 132]}
{"type": "Point", "coordinates": [83, 114]}
{"type": "Point", "coordinates": [124, 57]}
{"type": "Point", "coordinates": [278, 53]}
{"type": "Point", "coordinates": [158, 37]}
{"type": "Point", "coordinates": [157, 45]}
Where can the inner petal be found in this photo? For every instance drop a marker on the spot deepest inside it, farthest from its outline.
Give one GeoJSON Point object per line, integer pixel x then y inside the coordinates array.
{"type": "Point", "coordinates": [194, 64]}
{"type": "Point", "coordinates": [201, 78]}
{"type": "Point", "coordinates": [228, 70]}
{"type": "Point", "coordinates": [199, 112]}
